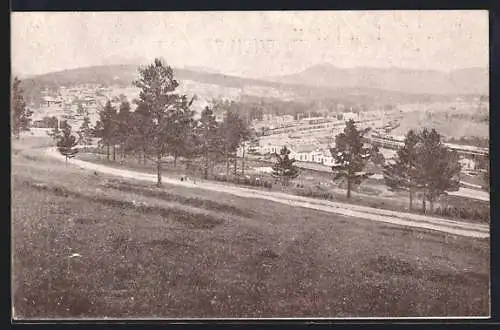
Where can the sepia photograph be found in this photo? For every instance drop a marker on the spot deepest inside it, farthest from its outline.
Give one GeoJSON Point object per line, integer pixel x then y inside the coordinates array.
{"type": "Point", "coordinates": [250, 165]}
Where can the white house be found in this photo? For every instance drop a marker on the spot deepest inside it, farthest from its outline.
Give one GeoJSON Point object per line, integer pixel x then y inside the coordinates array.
{"type": "Point", "coordinates": [310, 153]}
{"type": "Point", "coordinates": [49, 101]}
{"type": "Point", "coordinates": [304, 152]}
{"type": "Point", "coordinates": [350, 115]}
{"type": "Point", "coordinates": [467, 164]}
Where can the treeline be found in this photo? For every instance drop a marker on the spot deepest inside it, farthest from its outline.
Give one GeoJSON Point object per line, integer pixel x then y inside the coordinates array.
{"type": "Point", "coordinates": [424, 165]}
{"type": "Point", "coordinates": [471, 141]}
{"type": "Point", "coordinates": [163, 124]}
{"type": "Point", "coordinates": [20, 113]}
{"type": "Point", "coordinates": [252, 107]}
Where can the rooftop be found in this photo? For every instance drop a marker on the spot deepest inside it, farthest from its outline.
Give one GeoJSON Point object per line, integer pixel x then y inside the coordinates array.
{"type": "Point", "coordinates": [50, 99]}
{"type": "Point", "coordinates": [304, 148]}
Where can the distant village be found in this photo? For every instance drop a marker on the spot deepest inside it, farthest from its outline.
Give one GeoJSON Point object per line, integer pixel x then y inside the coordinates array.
{"type": "Point", "coordinates": [308, 138]}
{"type": "Point", "coordinates": [74, 103]}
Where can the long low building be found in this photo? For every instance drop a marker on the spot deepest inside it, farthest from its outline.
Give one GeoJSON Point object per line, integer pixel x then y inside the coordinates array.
{"type": "Point", "coordinates": [388, 141]}
{"type": "Point", "coordinates": [309, 151]}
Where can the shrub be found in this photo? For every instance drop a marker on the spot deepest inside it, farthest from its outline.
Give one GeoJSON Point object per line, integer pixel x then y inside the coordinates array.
{"type": "Point", "coordinates": [315, 193]}
{"type": "Point", "coordinates": [459, 212]}
{"type": "Point", "coordinates": [220, 177]}
{"type": "Point", "coordinates": [244, 180]}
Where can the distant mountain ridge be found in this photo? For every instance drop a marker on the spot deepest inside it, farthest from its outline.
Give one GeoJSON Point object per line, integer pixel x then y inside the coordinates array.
{"type": "Point", "coordinates": [201, 69]}
{"type": "Point", "coordinates": [461, 81]}
{"type": "Point", "coordinates": [360, 85]}
{"type": "Point", "coordinates": [124, 74]}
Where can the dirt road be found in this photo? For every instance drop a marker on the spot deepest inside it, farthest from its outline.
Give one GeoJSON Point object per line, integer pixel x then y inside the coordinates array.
{"type": "Point", "coordinates": [350, 210]}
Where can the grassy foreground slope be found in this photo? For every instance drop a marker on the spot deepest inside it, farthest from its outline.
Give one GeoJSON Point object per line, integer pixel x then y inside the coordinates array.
{"type": "Point", "coordinates": [87, 245]}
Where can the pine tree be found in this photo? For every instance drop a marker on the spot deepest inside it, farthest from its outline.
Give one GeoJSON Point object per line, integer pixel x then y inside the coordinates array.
{"type": "Point", "coordinates": [228, 137]}
{"type": "Point", "coordinates": [54, 122]}
{"type": "Point", "coordinates": [437, 169]}
{"type": "Point", "coordinates": [55, 132]}
{"type": "Point", "coordinates": [350, 156]}
{"type": "Point", "coordinates": [157, 94]}
{"type": "Point", "coordinates": [401, 174]}
{"type": "Point", "coordinates": [249, 142]}
{"type": "Point", "coordinates": [181, 123]}
{"type": "Point", "coordinates": [106, 127]}
{"type": "Point", "coordinates": [234, 131]}
{"type": "Point", "coordinates": [85, 132]}
{"type": "Point", "coordinates": [21, 115]}
{"type": "Point", "coordinates": [191, 143]}
{"type": "Point", "coordinates": [377, 157]}
{"type": "Point", "coordinates": [139, 130]}
{"type": "Point", "coordinates": [123, 125]}
{"type": "Point", "coordinates": [67, 143]}
{"type": "Point", "coordinates": [284, 170]}
{"type": "Point", "coordinates": [208, 136]}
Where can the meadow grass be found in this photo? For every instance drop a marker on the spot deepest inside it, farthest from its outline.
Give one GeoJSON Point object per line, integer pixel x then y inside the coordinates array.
{"type": "Point", "coordinates": [179, 252]}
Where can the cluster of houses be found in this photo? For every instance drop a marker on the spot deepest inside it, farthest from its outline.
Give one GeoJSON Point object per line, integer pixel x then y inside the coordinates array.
{"type": "Point", "coordinates": [315, 152]}
{"type": "Point", "coordinates": [308, 150]}
{"type": "Point", "coordinates": [276, 125]}
{"type": "Point", "coordinates": [305, 138]}
{"type": "Point", "coordinates": [73, 104]}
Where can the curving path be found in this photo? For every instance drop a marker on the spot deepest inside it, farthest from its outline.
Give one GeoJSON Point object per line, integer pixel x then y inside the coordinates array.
{"type": "Point", "coordinates": [349, 210]}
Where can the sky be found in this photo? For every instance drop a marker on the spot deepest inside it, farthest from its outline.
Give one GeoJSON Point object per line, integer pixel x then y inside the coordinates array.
{"type": "Point", "coordinates": [250, 44]}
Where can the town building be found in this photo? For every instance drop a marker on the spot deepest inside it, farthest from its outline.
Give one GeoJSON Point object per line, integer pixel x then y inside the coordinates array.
{"type": "Point", "coordinates": [467, 164]}
{"type": "Point", "coordinates": [49, 101]}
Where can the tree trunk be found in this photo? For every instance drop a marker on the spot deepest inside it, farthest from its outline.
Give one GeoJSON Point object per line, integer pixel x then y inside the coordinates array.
{"type": "Point", "coordinates": [411, 198]}
{"type": "Point", "coordinates": [114, 152]}
{"type": "Point", "coordinates": [175, 160]}
{"type": "Point", "coordinates": [66, 161]}
{"type": "Point", "coordinates": [423, 203]}
{"type": "Point", "coordinates": [243, 163]}
{"type": "Point", "coordinates": [205, 170]}
{"type": "Point", "coordinates": [431, 205]}
{"type": "Point", "coordinates": [158, 169]}
{"type": "Point", "coordinates": [444, 202]}
{"type": "Point", "coordinates": [228, 166]}
{"type": "Point", "coordinates": [235, 165]}
{"type": "Point", "coordinates": [107, 151]}
{"type": "Point", "coordinates": [212, 167]}
{"type": "Point", "coordinates": [348, 188]}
